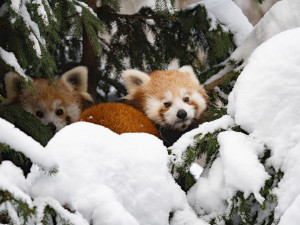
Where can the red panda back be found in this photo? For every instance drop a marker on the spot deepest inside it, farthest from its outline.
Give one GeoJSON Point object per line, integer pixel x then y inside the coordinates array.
{"type": "Point", "coordinates": [120, 118]}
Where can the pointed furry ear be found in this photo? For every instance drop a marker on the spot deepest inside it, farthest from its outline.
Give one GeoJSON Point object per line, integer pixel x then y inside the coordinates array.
{"type": "Point", "coordinates": [77, 78]}
{"type": "Point", "coordinates": [134, 79]}
{"type": "Point", "coordinates": [13, 85]}
{"type": "Point", "coordinates": [189, 70]}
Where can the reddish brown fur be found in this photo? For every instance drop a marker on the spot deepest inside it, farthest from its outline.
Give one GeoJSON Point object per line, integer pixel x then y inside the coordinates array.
{"type": "Point", "coordinates": [43, 91]}
{"type": "Point", "coordinates": [160, 82]}
{"type": "Point", "coordinates": [120, 118]}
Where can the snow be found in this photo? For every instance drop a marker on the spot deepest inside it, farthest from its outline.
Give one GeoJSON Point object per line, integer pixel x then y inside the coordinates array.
{"type": "Point", "coordinates": [270, 111]}
{"type": "Point", "coordinates": [82, 4]}
{"type": "Point", "coordinates": [211, 191]}
{"type": "Point", "coordinates": [187, 139]}
{"type": "Point", "coordinates": [239, 26]}
{"type": "Point", "coordinates": [10, 59]}
{"type": "Point", "coordinates": [106, 178]}
{"type": "Point", "coordinates": [98, 177]}
{"type": "Point", "coordinates": [25, 144]}
{"type": "Point", "coordinates": [41, 11]}
{"type": "Point", "coordinates": [196, 170]}
{"type": "Point", "coordinates": [240, 151]}
{"type": "Point", "coordinates": [12, 179]}
{"type": "Point", "coordinates": [15, 5]}
{"type": "Point", "coordinates": [282, 16]}
{"type": "Point", "coordinates": [41, 202]}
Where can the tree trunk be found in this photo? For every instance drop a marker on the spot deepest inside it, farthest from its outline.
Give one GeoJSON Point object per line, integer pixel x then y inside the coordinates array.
{"type": "Point", "coordinates": [89, 58]}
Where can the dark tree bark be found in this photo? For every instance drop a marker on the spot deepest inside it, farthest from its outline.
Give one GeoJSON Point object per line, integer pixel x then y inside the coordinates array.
{"type": "Point", "coordinates": [89, 58]}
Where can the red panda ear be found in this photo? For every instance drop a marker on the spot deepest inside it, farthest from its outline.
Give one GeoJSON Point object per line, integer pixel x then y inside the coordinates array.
{"type": "Point", "coordinates": [77, 78]}
{"type": "Point", "coordinates": [134, 79]}
{"type": "Point", "coordinates": [13, 86]}
{"type": "Point", "coordinates": [189, 70]}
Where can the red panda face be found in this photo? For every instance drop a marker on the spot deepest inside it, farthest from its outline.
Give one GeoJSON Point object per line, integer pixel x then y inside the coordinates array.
{"type": "Point", "coordinates": [172, 99]}
{"type": "Point", "coordinates": [176, 111]}
{"type": "Point", "coordinates": [56, 105]}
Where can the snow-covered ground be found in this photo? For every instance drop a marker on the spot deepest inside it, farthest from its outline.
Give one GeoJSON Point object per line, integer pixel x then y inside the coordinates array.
{"type": "Point", "coordinates": [124, 179]}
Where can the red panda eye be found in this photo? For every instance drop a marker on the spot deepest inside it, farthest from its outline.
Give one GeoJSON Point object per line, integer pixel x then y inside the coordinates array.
{"type": "Point", "coordinates": [39, 114]}
{"type": "Point", "coordinates": [59, 112]}
{"type": "Point", "coordinates": [167, 104]}
{"type": "Point", "coordinates": [186, 99]}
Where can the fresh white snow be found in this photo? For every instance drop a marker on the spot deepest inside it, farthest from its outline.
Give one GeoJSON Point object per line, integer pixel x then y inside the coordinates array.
{"type": "Point", "coordinates": [110, 178]}
{"type": "Point", "coordinates": [265, 102]}
{"type": "Point", "coordinates": [124, 179]}
{"type": "Point", "coordinates": [282, 16]}
{"type": "Point", "coordinates": [10, 59]}
{"type": "Point", "coordinates": [239, 25]}
{"type": "Point", "coordinates": [21, 142]}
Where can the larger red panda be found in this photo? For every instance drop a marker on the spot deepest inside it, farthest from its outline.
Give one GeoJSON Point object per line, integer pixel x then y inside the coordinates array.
{"type": "Point", "coordinates": [172, 100]}
{"type": "Point", "coordinates": [120, 118]}
{"type": "Point", "coordinates": [56, 105]}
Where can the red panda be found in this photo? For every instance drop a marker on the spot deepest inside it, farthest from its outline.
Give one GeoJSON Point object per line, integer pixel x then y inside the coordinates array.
{"type": "Point", "coordinates": [56, 105]}
{"type": "Point", "coordinates": [174, 100]}
{"type": "Point", "coordinates": [120, 118]}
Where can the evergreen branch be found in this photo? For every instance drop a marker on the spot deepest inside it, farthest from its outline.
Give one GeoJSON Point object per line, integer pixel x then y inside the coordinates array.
{"type": "Point", "coordinates": [107, 10]}
{"type": "Point", "coordinates": [210, 86]}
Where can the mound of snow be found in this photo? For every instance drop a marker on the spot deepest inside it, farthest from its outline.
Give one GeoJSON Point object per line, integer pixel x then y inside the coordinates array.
{"type": "Point", "coordinates": [110, 178]}
{"type": "Point", "coordinates": [265, 102]}
{"type": "Point", "coordinates": [237, 169]}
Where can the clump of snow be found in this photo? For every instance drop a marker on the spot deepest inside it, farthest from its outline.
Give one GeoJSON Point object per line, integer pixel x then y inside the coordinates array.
{"type": "Point", "coordinates": [82, 4]}
{"type": "Point", "coordinates": [282, 16]}
{"type": "Point", "coordinates": [265, 102]}
{"type": "Point", "coordinates": [15, 5]}
{"type": "Point", "coordinates": [224, 10]}
{"type": "Point", "coordinates": [237, 169]}
{"type": "Point", "coordinates": [240, 151]}
{"type": "Point", "coordinates": [36, 44]}
{"type": "Point", "coordinates": [41, 11]}
{"type": "Point", "coordinates": [10, 59]}
{"type": "Point", "coordinates": [186, 217]}
{"type": "Point", "coordinates": [13, 180]}
{"type": "Point", "coordinates": [32, 28]}
{"type": "Point", "coordinates": [25, 144]}
{"type": "Point", "coordinates": [110, 178]}
{"type": "Point", "coordinates": [187, 139]}
{"type": "Point", "coordinates": [41, 202]}
{"type": "Point", "coordinates": [196, 170]}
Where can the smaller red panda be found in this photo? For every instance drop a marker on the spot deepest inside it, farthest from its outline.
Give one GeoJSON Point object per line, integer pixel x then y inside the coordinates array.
{"type": "Point", "coordinates": [56, 105]}
{"type": "Point", "coordinates": [120, 118]}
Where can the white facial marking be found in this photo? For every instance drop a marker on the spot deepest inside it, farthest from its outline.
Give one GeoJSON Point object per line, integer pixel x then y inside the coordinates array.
{"type": "Point", "coordinates": [152, 109]}
{"type": "Point", "coordinates": [183, 92]}
{"type": "Point", "coordinates": [198, 98]}
{"type": "Point", "coordinates": [73, 111]}
{"type": "Point", "coordinates": [55, 104]}
{"type": "Point", "coordinates": [171, 115]}
{"type": "Point", "coordinates": [168, 96]}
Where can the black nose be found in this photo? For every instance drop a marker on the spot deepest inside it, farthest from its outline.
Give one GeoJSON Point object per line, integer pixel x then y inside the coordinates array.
{"type": "Point", "coordinates": [181, 114]}
{"type": "Point", "coordinates": [52, 127]}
